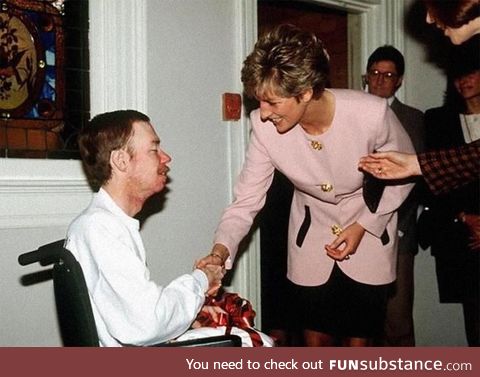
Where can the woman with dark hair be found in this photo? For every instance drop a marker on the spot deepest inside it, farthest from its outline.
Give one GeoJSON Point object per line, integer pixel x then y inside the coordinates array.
{"type": "Point", "coordinates": [448, 218]}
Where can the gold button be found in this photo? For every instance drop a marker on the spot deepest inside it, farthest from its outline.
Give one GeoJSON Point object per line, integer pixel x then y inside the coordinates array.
{"type": "Point", "coordinates": [326, 187]}
{"type": "Point", "coordinates": [336, 230]}
{"type": "Point", "coordinates": [316, 145]}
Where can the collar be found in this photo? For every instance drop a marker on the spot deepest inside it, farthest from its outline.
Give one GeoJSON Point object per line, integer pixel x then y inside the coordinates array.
{"type": "Point", "coordinates": [104, 200]}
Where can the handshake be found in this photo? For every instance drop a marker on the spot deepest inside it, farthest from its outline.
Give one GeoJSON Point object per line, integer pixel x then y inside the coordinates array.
{"type": "Point", "coordinates": [213, 265]}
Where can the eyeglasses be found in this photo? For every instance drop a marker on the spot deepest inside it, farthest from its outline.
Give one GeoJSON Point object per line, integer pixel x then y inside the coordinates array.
{"type": "Point", "coordinates": [376, 74]}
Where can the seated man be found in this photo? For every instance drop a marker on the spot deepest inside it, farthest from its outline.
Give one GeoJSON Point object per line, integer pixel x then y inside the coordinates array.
{"type": "Point", "coordinates": [122, 157]}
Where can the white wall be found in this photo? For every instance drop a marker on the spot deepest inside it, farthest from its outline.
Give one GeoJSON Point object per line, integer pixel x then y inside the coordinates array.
{"type": "Point", "coordinates": [27, 314]}
{"type": "Point", "coordinates": [191, 62]}
{"type": "Point", "coordinates": [194, 55]}
{"type": "Point", "coordinates": [424, 83]}
{"type": "Point", "coordinates": [38, 199]}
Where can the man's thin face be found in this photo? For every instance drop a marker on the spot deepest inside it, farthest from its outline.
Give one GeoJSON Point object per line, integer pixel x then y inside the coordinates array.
{"type": "Point", "coordinates": [148, 164]}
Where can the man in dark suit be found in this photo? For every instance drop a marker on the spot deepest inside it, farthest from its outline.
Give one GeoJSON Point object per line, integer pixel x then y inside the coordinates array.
{"type": "Point", "coordinates": [385, 69]}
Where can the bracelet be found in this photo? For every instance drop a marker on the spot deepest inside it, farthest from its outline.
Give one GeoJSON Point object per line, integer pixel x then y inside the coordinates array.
{"type": "Point", "coordinates": [218, 256]}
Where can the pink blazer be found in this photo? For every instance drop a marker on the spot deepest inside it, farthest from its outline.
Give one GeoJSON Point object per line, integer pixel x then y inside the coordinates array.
{"type": "Point", "coordinates": [328, 189]}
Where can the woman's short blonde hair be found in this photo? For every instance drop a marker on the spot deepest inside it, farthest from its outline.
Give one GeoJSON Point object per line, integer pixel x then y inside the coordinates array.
{"type": "Point", "coordinates": [286, 61]}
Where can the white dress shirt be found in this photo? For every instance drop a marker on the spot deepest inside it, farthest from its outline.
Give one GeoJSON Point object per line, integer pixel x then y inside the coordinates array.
{"type": "Point", "coordinates": [129, 308]}
{"type": "Point", "coordinates": [470, 127]}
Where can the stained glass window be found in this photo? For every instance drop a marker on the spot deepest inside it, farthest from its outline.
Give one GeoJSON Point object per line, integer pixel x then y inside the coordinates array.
{"type": "Point", "coordinates": [35, 120]}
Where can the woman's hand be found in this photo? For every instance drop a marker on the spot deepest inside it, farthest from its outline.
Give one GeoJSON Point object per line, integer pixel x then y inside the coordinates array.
{"type": "Point", "coordinates": [346, 243]}
{"type": "Point", "coordinates": [390, 165]}
{"type": "Point", "coordinates": [217, 256]}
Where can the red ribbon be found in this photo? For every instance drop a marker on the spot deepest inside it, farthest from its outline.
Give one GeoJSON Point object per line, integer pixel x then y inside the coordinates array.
{"type": "Point", "coordinates": [239, 313]}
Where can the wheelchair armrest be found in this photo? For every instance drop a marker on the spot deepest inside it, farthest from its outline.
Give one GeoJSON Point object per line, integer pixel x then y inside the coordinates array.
{"type": "Point", "coordinates": [46, 254]}
{"type": "Point", "coordinates": [212, 341]}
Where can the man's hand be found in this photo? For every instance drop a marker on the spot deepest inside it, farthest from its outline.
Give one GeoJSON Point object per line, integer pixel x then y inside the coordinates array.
{"type": "Point", "coordinates": [390, 165]}
{"type": "Point", "coordinates": [346, 243]}
{"type": "Point", "coordinates": [215, 275]}
{"type": "Point", "coordinates": [215, 312]}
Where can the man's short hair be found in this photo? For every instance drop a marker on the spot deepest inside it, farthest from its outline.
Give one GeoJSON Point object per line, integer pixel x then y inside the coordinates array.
{"type": "Point", "coordinates": [105, 133]}
{"type": "Point", "coordinates": [389, 53]}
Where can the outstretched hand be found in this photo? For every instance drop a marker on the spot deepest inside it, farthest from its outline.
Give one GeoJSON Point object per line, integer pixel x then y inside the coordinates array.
{"type": "Point", "coordinates": [390, 165]}
{"type": "Point", "coordinates": [218, 256]}
{"type": "Point", "coordinates": [213, 265]}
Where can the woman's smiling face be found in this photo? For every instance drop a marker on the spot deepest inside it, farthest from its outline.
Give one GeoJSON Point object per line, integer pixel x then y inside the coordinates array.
{"type": "Point", "coordinates": [283, 112]}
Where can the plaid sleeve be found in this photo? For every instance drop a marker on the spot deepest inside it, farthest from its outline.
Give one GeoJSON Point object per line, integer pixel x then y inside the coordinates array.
{"type": "Point", "coordinates": [448, 169]}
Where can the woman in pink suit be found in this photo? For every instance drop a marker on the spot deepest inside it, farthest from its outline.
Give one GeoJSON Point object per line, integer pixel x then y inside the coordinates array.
{"type": "Point", "coordinates": [338, 261]}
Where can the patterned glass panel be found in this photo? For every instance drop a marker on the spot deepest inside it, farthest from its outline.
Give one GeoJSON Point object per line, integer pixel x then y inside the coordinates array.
{"type": "Point", "coordinates": [34, 118]}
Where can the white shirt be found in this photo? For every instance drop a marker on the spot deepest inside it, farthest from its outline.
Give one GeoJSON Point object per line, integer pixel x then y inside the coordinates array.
{"type": "Point", "coordinates": [470, 126]}
{"type": "Point", "coordinates": [129, 308]}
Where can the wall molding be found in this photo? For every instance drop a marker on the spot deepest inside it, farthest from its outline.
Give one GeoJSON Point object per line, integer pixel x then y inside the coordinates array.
{"type": "Point", "coordinates": [41, 193]}
{"type": "Point", "coordinates": [356, 6]}
{"type": "Point", "coordinates": [246, 279]}
{"type": "Point", "coordinates": [118, 55]}
{"type": "Point", "coordinates": [36, 194]}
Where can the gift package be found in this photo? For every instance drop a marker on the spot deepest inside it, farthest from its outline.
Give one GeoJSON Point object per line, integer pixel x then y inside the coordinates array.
{"type": "Point", "coordinates": [236, 318]}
